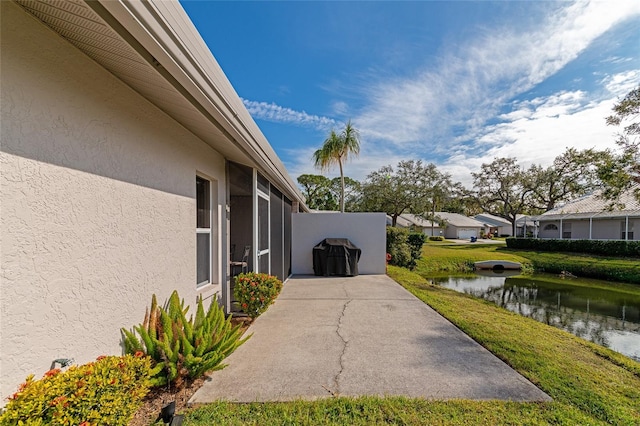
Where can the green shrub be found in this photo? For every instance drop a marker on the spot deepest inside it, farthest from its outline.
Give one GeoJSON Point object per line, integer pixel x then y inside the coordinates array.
{"type": "Point", "coordinates": [105, 392]}
{"type": "Point", "coordinates": [255, 292]}
{"type": "Point", "coordinates": [603, 247]}
{"type": "Point", "coordinates": [398, 247]}
{"type": "Point", "coordinates": [436, 238]}
{"type": "Point", "coordinates": [182, 348]}
{"type": "Point", "coordinates": [416, 240]}
{"type": "Point", "coordinates": [404, 247]}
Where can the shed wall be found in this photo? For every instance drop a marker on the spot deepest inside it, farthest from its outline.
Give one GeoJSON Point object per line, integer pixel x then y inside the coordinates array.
{"type": "Point", "coordinates": [365, 230]}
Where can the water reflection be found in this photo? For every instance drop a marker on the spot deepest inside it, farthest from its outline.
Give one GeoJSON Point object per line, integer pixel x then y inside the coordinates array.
{"type": "Point", "coordinates": [607, 316]}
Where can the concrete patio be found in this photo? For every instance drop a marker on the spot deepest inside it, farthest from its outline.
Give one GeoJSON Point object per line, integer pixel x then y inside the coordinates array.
{"type": "Point", "coordinates": [356, 336]}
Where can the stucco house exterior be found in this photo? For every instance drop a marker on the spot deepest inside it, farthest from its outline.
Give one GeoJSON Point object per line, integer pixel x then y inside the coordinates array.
{"type": "Point", "coordinates": [589, 218]}
{"type": "Point", "coordinates": [494, 225]}
{"type": "Point", "coordinates": [498, 226]}
{"type": "Point", "coordinates": [526, 226]}
{"type": "Point", "coordinates": [129, 167]}
{"type": "Point", "coordinates": [418, 224]}
{"type": "Point", "coordinates": [459, 226]}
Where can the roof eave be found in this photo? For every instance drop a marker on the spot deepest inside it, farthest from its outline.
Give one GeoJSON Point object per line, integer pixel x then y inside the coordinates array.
{"type": "Point", "coordinates": [178, 51]}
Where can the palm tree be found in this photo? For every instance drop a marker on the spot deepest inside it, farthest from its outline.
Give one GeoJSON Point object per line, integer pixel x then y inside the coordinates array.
{"type": "Point", "coordinates": [336, 150]}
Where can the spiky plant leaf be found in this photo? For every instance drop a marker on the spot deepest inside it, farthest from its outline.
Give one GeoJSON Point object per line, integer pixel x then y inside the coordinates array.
{"type": "Point", "coordinates": [154, 313]}
{"type": "Point", "coordinates": [131, 342]}
{"type": "Point", "coordinates": [149, 342]}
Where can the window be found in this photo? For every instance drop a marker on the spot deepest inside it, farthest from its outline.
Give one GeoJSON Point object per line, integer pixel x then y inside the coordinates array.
{"type": "Point", "coordinates": [566, 230]}
{"type": "Point", "coordinates": [551, 227]}
{"type": "Point", "coordinates": [203, 231]}
{"type": "Point", "coordinates": [624, 233]}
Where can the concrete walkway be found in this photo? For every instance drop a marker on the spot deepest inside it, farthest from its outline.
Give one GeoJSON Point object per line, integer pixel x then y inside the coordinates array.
{"type": "Point", "coordinates": [355, 336]}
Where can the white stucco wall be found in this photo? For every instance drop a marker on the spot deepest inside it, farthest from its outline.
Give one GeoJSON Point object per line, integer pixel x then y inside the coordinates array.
{"type": "Point", "coordinates": [549, 233]}
{"type": "Point", "coordinates": [366, 230]}
{"type": "Point", "coordinates": [437, 231]}
{"type": "Point", "coordinates": [98, 204]}
{"type": "Point", "coordinates": [455, 232]}
{"type": "Point", "coordinates": [580, 230]}
{"type": "Point", "coordinates": [505, 230]}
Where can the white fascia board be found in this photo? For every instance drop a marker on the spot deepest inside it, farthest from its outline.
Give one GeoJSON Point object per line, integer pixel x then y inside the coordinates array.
{"type": "Point", "coordinates": [164, 30]}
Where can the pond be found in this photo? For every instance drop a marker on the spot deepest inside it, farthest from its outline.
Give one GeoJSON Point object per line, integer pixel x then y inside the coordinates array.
{"type": "Point", "coordinates": [602, 312]}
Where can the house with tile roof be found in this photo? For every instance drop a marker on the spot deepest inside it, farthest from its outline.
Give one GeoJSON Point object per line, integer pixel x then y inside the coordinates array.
{"type": "Point", "coordinates": [494, 225]}
{"type": "Point", "coordinates": [418, 224]}
{"type": "Point", "coordinates": [589, 217]}
{"type": "Point", "coordinates": [458, 226]}
{"type": "Point", "coordinates": [498, 226]}
{"type": "Point", "coordinates": [130, 167]}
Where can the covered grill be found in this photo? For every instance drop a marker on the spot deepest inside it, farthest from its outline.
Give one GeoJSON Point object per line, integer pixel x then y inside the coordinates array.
{"type": "Point", "coordinates": [336, 256]}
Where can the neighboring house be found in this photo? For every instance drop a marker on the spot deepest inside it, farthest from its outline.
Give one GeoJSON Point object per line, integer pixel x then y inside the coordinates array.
{"type": "Point", "coordinates": [416, 223]}
{"type": "Point", "coordinates": [526, 226]}
{"type": "Point", "coordinates": [588, 218]}
{"type": "Point", "coordinates": [130, 167]}
{"type": "Point", "coordinates": [460, 226]}
{"type": "Point", "coordinates": [498, 226]}
{"type": "Point", "coordinates": [400, 222]}
{"type": "Point", "coordinates": [419, 224]}
{"type": "Point", "coordinates": [494, 225]}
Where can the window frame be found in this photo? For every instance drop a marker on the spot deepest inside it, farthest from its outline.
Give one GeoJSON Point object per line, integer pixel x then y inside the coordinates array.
{"type": "Point", "coordinates": [626, 230]}
{"type": "Point", "coordinates": [206, 229]}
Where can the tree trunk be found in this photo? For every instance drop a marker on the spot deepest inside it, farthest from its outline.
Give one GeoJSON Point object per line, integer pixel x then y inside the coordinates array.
{"type": "Point", "coordinates": [433, 215]}
{"type": "Point", "coordinates": [341, 187]}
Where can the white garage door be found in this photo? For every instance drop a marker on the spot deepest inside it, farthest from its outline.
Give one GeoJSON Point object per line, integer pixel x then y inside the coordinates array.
{"type": "Point", "coordinates": [464, 233]}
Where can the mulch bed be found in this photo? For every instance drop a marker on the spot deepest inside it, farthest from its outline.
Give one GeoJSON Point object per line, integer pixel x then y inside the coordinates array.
{"type": "Point", "coordinates": [157, 398]}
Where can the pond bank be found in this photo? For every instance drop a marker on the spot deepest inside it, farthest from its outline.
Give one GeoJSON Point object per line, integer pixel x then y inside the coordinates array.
{"type": "Point", "coordinates": [596, 381]}
{"type": "Point", "coordinates": [441, 258]}
{"type": "Point", "coordinates": [604, 313]}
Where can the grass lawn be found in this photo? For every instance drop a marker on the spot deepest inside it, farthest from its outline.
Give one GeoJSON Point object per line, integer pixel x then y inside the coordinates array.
{"type": "Point", "coordinates": [583, 378]}
{"type": "Point", "coordinates": [590, 385]}
{"type": "Point", "coordinates": [393, 411]}
{"type": "Point", "coordinates": [446, 258]}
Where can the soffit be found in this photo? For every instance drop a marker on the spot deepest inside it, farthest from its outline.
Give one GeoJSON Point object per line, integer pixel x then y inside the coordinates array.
{"type": "Point", "coordinates": [86, 30]}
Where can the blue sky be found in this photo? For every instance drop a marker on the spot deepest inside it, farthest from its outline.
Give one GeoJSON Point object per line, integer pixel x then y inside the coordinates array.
{"type": "Point", "coordinates": [455, 83]}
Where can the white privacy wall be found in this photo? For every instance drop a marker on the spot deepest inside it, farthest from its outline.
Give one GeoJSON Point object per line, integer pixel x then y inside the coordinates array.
{"type": "Point", "coordinates": [98, 204]}
{"type": "Point", "coordinates": [366, 230]}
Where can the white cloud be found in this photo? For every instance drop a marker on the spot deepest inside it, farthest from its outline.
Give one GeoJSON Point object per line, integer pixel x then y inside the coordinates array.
{"type": "Point", "coordinates": [413, 118]}
{"type": "Point", "coordinates": [623, 83]}
{"type": "Point", "coordinates": [471, 83]}
{"type": "Point", "coordinates": [340, 108]}
{"type": "Point", "coordinates": [275, 113]}
{"type": "Point", "coordinates": [539, 130]}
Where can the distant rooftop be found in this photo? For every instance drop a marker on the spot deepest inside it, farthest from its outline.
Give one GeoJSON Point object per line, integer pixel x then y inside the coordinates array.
{"type": "Point", "coordinates": [592, 205]}
{"type": "Point", "coordinates": [459, 220]}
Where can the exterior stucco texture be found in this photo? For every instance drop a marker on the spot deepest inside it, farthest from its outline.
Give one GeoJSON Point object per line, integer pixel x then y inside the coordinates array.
{"type": "Point", "coordinates": [98, 204]}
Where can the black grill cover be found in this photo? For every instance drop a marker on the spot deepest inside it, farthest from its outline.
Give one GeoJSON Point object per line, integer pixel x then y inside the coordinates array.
{"type": "Point", "coordinates": [336, 256]}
